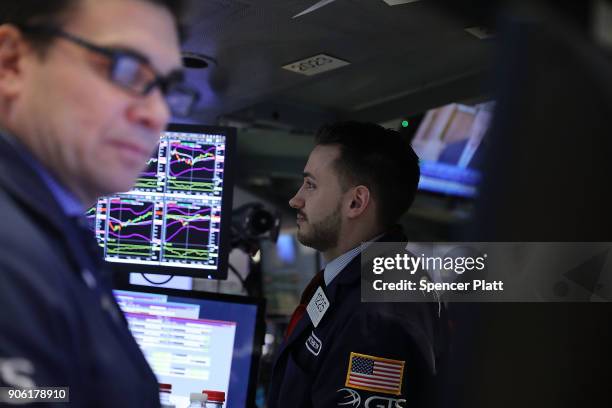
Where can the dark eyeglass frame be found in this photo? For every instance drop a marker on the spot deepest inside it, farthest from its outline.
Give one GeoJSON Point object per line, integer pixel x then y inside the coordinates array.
{"type": "Point", "coordinates": [166, 83]}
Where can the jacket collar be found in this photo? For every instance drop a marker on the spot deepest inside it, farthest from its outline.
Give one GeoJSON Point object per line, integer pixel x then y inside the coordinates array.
{"type": "Point", "coordinates": [351, 274]}
{"type": "Point", "coordinates": [23, 183]}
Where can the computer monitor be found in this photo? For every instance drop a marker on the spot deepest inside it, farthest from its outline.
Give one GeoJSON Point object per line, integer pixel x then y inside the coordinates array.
{"type": "Point", "coordinates": [449, 145]}
{"type": "Point", "coordinates": [197, 341]}
{"type": "Point", "coordinates": [176, 219]}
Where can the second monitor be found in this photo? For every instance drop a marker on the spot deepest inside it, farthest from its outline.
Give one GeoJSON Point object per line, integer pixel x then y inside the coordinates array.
{"type": "Point", "coordinates": [176, 218]}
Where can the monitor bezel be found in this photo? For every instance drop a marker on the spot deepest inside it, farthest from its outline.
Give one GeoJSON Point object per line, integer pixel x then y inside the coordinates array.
{"type": "Point", "coordinates": [121, 282]}
{"type": "Point", "coordinates": [226, 209]}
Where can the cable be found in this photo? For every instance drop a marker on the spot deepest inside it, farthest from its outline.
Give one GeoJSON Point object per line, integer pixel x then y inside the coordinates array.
{"type": "Point", "coordinates": [157, 283]}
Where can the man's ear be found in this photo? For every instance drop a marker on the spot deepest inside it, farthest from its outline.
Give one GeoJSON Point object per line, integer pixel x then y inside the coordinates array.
{"type": "Point", "coordinates": [12, 51]}
{"type": "Point", "coordinates": [359, 200]}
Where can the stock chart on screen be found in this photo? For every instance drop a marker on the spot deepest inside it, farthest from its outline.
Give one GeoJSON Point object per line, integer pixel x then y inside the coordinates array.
{"type": "Point", "coordinates": [173, 220]}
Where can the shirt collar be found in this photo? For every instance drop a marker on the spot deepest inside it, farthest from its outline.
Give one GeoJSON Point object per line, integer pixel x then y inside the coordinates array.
{"type": "Point", "coordinates": [334, 267]}
{"type": "Point", "coordinates": [71, 205]}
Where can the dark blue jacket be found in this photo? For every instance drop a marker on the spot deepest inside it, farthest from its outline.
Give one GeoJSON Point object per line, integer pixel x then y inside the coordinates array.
{"type": "Point", "coordinates": [312, 368]}
{"type": "Point", "coordinates": [55, 329]}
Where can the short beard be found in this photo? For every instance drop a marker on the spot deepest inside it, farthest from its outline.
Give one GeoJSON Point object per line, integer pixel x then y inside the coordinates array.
{"type": "Point", "coordinates": [324, 234]}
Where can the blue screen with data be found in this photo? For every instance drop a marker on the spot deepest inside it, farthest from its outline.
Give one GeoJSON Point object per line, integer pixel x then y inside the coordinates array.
{"type": "Point", "coordinates": [194, 344]}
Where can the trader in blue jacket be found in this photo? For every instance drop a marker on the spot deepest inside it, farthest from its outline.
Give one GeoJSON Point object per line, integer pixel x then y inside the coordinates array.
{"type": "Point", "coordinates": [83, 87]}
{"type": "Point", "coordinates": [359, 179]}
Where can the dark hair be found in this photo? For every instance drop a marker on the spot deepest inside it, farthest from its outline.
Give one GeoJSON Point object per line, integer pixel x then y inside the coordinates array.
{"type": "Point", "coordinates": [23, 13]}
{"type": "Point", "coordinates": [377, 158]}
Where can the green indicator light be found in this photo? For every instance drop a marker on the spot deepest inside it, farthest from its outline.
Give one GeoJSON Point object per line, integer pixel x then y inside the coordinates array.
{"type": "Point", "coordinates": [405, 123]}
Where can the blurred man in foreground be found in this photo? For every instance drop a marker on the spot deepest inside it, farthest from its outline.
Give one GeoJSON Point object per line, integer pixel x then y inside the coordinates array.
{"type": "Point", "coordinates": [83, 87]}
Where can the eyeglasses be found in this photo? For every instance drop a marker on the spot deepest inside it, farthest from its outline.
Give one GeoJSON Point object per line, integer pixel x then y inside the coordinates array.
{"type": "Point", "coordinates": [133, 72]}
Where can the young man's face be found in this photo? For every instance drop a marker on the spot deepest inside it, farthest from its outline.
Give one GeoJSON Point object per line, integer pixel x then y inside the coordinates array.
{"type": "Point", "coordinates": [319, 200]}
{"type": "Point", "coordinates": [92, 134]}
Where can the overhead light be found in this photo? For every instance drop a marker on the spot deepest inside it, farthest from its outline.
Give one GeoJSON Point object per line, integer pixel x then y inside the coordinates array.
{"type": "Point", "coordinates": [482, 33]}
{"type": "Point", "coordinates": [398, 2]}
{"type": "Point", "coordinates": [316, 64]}
{"type": "Point", "coordinates": [314, 7]}
{"type": "Point", "coordinates": [194, 60]}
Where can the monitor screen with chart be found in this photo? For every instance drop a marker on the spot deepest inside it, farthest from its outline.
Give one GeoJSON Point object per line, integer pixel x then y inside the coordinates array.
{"type": "Point", "coordinates": [175, 220]}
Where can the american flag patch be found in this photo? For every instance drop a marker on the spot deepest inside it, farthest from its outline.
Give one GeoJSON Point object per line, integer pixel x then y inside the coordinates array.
{"type": "Point", "coordinates": [375, 374]}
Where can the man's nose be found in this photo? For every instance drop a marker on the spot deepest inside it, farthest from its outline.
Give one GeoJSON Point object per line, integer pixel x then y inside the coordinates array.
{"type": "Point", "coordinates": [296, 202]}
{"type": "Point", "coordinates": [151, 112]}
